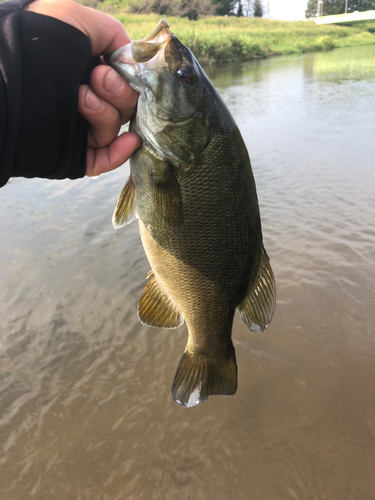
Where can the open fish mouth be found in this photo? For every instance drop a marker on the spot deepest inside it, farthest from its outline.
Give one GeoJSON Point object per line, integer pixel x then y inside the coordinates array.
{"type": "Point", "coordinates": [140, 52]}
{"type": "Point", "coordinates": [140, 57]}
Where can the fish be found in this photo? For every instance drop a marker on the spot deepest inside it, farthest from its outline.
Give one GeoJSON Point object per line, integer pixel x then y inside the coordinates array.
{"type": "Point", "coordinates": [192, 189]}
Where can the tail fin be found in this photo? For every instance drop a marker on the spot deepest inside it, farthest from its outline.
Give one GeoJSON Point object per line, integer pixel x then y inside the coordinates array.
{"type": "Point", "coordinates": [199, 376]}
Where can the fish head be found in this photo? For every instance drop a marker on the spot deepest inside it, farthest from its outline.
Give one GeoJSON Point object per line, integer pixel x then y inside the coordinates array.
{"type": "Point", "coordinates": [174, 106]}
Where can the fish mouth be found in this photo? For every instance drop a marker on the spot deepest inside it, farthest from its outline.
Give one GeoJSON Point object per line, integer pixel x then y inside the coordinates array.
{"type": "Point", "coordinates": [141, 52]}
{"type": "Point", "coordinates": [139, 57]}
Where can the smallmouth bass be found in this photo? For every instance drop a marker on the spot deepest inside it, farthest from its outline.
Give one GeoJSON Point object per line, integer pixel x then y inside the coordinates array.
{"type": "Point", "coordinates": [192, 189]}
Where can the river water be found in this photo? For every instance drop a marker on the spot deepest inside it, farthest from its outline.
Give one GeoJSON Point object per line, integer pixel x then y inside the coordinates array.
{"type": "Point", "coordinates": [85, 405]}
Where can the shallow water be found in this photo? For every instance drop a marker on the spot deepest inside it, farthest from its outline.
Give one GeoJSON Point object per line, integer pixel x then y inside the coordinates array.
{"type": "Point", "coordinates": [85, 405]}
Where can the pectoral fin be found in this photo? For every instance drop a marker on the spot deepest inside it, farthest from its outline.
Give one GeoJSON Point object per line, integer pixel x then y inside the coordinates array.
{"type": "Point", "coordinates": [166, 193]}
{"type": "Point", "coordinates": [156, 309]}
{"type": "Point", "coordinates": [257, 308]}
{"type": "Point", "coordinates": [125, 211]}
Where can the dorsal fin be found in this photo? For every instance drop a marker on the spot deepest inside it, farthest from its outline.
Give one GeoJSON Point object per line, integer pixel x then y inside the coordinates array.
{"type": "Point", "coordinates": [125, 211]}
{"type": "Point", "coordinates": [155, 307]}
{"type": "Point", "coordinates": [257, 308]}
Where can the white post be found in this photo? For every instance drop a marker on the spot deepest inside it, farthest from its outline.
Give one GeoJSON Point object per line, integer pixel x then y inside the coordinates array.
{"type": "Point", "coordinates": [346, 6]}
{"type": "Point", "coordinates": [320, 8]}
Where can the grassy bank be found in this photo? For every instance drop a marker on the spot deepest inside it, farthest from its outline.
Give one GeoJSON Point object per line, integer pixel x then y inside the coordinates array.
{"type": "Point", "coordinates": [240, 39]}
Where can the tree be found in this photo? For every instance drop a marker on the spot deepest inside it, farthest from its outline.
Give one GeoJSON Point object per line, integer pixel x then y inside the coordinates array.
{"type": "Point", "coordinates": [224, 7]}
{"type": "Point", "coordinates": [194, 9]}
{"type": "Point", "coordinates": [332, 7]}
{"type": "Point", "coordinates": [258, 8]}
{"type": "Point", "coordinates": [240, 9]}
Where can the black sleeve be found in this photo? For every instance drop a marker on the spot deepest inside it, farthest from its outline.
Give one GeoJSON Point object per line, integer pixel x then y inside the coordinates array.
{"type": "Point", "coordinates": [42, 63]}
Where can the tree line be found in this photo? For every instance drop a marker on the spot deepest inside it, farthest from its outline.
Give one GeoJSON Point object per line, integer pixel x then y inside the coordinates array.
{"type": "Point", "coordinates": [192, 9]}
{"type": "Point", "coordinates": [333, 7]}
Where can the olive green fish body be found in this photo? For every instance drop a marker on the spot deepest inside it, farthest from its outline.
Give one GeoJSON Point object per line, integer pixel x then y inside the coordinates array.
{"type": "Point", "coordinates": [192, 189]}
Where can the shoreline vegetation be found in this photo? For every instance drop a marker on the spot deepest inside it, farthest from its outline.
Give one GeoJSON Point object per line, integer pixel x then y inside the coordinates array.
{"type": "Point", "coordinates": [230, 39]}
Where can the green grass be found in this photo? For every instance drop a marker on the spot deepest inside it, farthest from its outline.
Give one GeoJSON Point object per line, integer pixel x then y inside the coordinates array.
{"type": "Point", "coordinates": [224, 39]}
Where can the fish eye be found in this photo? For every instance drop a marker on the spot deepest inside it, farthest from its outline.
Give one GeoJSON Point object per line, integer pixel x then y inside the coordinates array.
{"type": "Point", "coordinates": [186, 73]}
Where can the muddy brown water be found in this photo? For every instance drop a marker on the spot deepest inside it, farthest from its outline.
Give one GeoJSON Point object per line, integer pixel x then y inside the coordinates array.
{"type": "Point", "coordinates": [85, 405]}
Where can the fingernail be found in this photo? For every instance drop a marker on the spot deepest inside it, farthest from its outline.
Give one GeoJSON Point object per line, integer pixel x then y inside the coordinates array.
{"type": "Point", "coordinates": [92, 100]}
{"type": "Point", "coordinates": [113, 82]}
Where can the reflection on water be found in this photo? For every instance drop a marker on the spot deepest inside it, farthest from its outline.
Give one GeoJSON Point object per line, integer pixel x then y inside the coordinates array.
{"type": "Point", "coordinates": [85, 406]}
{"type": "Point", "coordinates": [355, 63]}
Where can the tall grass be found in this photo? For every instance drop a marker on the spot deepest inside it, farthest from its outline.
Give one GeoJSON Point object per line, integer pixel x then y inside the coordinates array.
{"type": "Point", "coordinates": [225, 39]}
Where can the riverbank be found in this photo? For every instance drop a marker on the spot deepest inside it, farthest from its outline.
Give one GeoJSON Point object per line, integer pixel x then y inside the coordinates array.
{"type": "Point", "coordinates": [224, 39]}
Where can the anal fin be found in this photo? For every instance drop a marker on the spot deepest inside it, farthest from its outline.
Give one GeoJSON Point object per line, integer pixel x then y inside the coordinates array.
{"type": "Point", "coordinates": [125, 211]}
{"type": "Point", "coordinates": [258, 306]}
{"type": "Point", "coordinates": [156, 309]}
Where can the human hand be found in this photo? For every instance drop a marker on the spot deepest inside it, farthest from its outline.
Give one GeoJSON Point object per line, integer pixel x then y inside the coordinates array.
{"type": "Point", "coordinates": [109, 102]}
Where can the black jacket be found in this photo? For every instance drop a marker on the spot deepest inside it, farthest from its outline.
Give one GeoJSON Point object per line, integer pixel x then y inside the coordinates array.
{"type": "Point", "coordinates": [42, 63]}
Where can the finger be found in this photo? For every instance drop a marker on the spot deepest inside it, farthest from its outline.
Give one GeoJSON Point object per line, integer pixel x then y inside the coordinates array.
{"type": "Point", "coordinates": [106, 34]}
{"type": "Point", "coordinates": [113, 156]}
{"type": "Point", "coordinates": [103, 118]}
{"type": "Point", "coordinates": [109, 85]}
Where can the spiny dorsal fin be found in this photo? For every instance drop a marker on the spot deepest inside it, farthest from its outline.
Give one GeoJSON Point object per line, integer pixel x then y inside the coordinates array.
{"type": "Point", "coordinates": [126, 205]}
{"type": "Point", "coordinates": [155, 308]}
{"type": "Point", "coordinates": [199, 376]}
{"type": "Point", "coordinates": [257, 308]}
